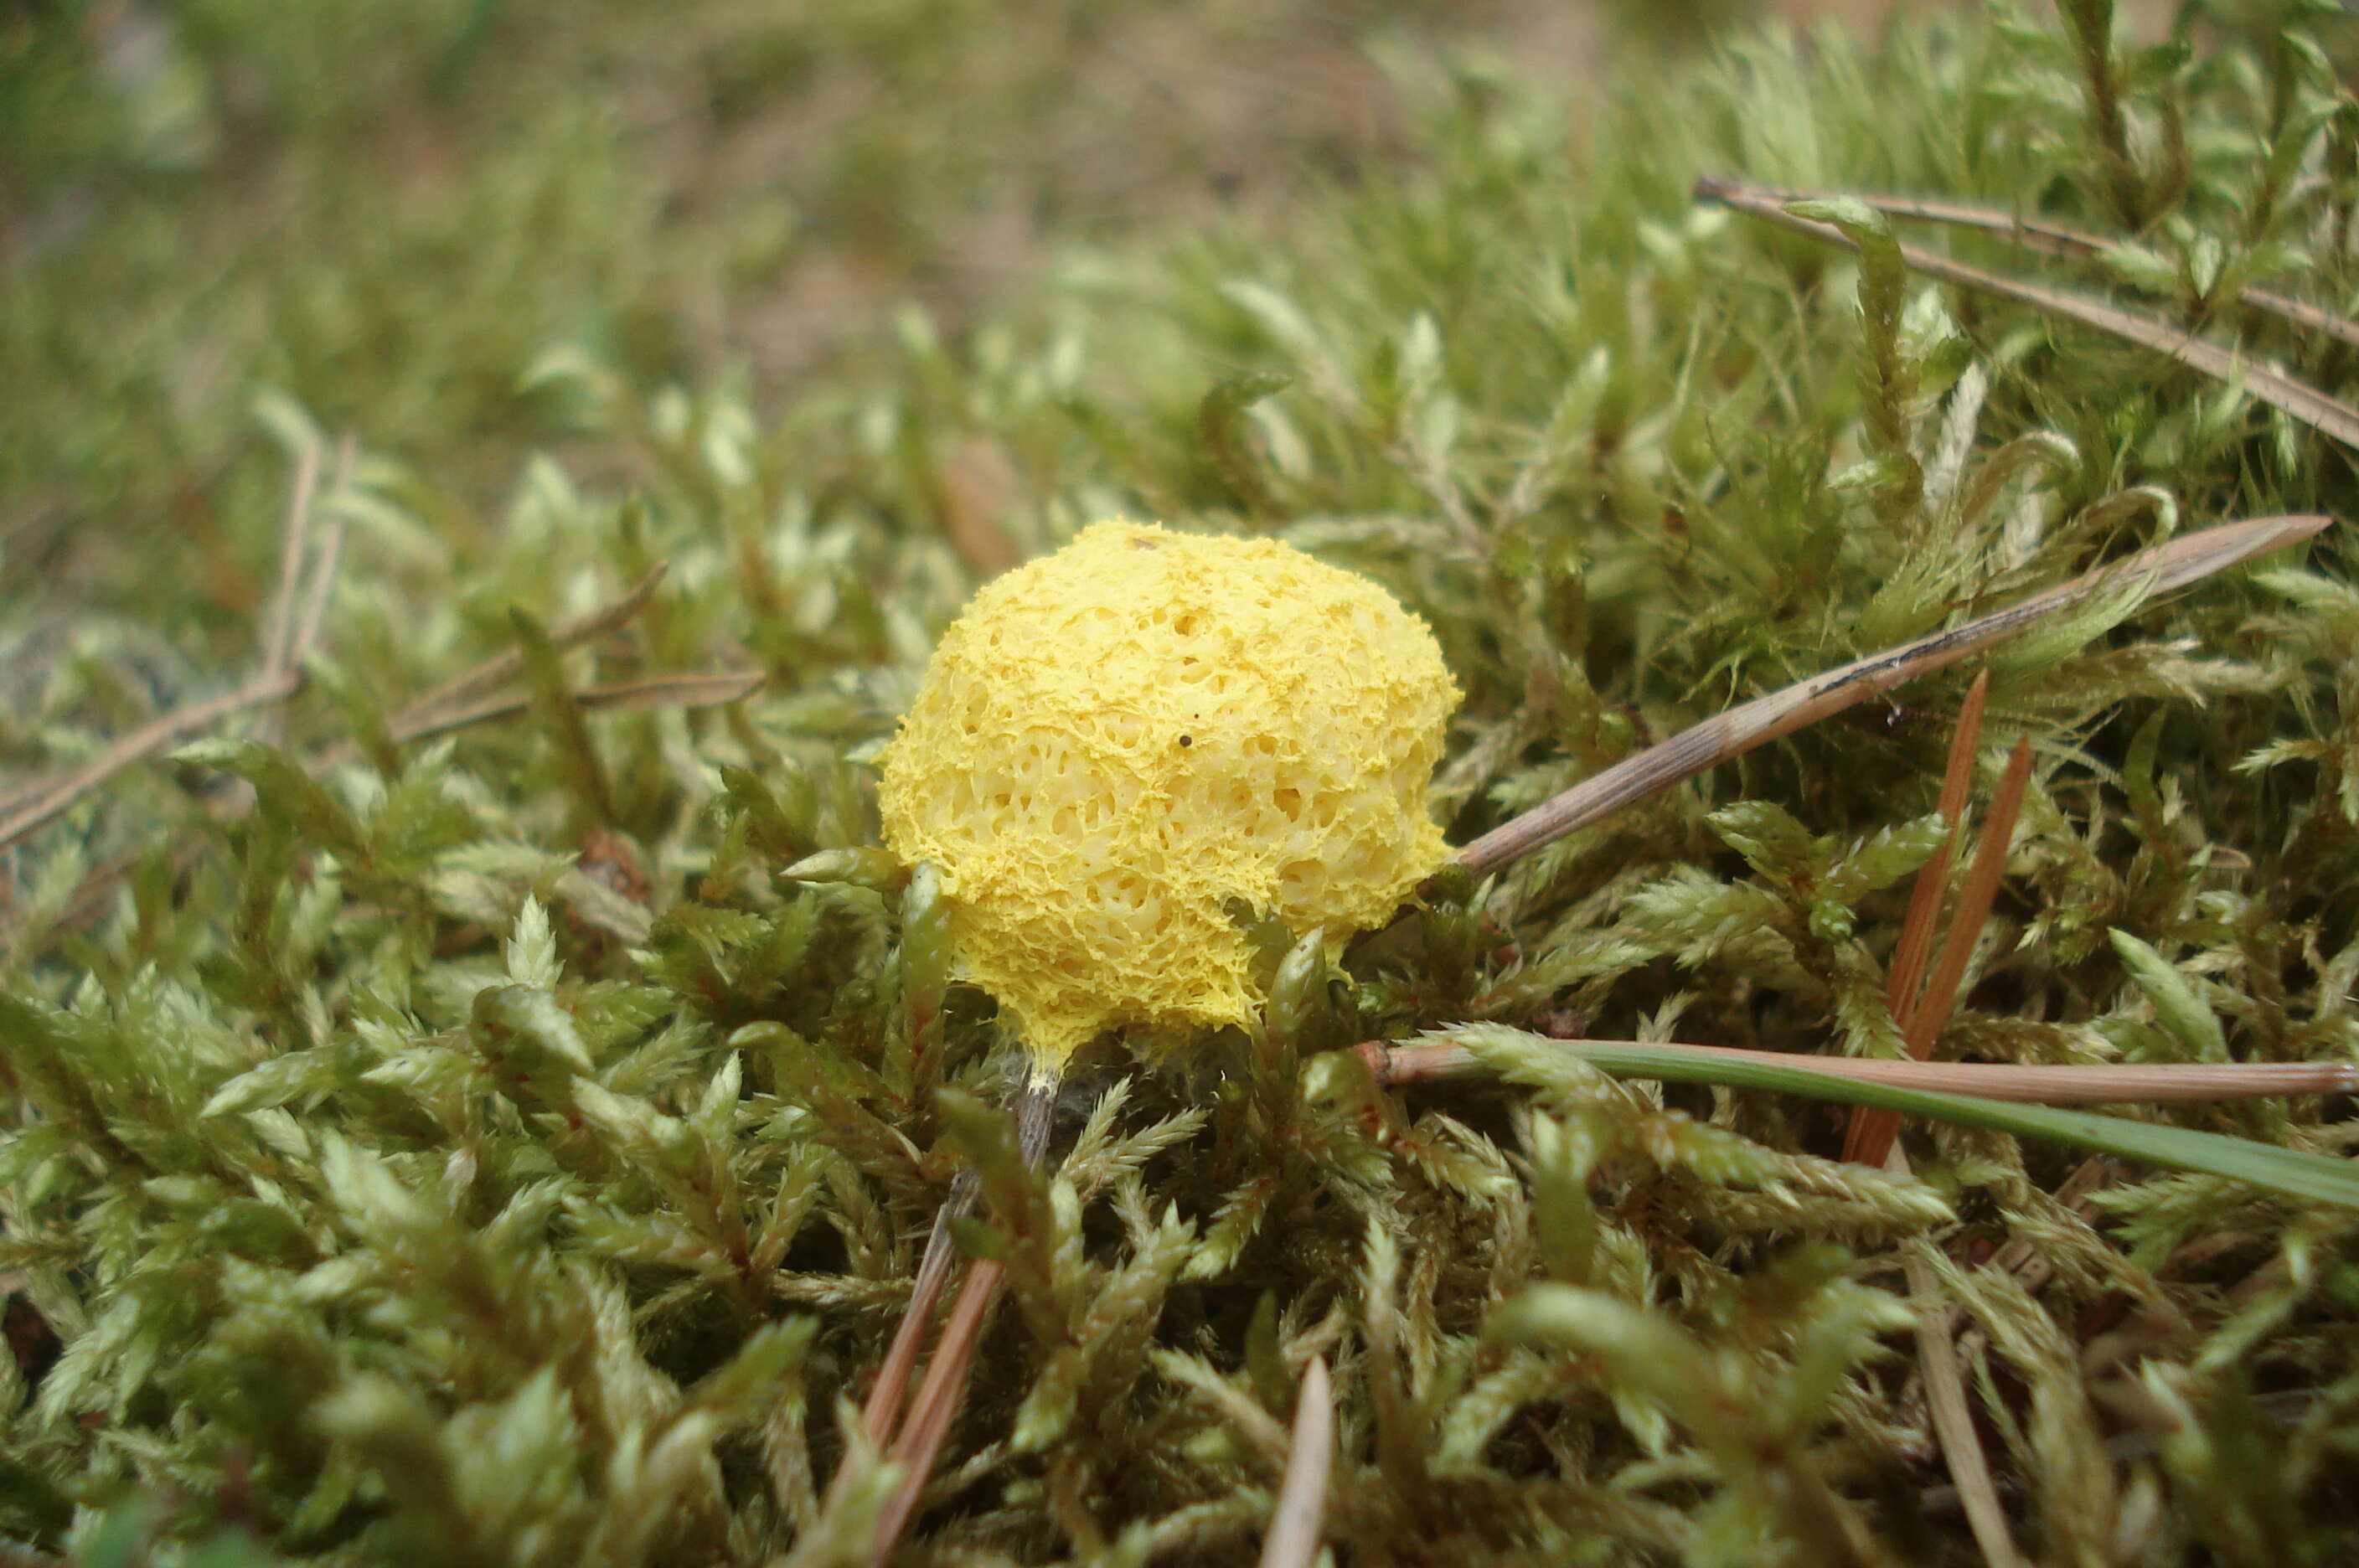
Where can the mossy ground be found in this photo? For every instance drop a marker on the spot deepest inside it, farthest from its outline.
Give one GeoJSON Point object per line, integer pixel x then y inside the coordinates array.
{"type": "Point", "coordinates": [472, 1148]}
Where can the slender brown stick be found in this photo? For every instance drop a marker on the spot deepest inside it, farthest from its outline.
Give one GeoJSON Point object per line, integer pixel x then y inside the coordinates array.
{"type": "Point", "coordinates": [1294, 1524]}
{"type": "Point", "coordinates": [2111, 1084]}
{"type": "Point", "coordinates": [2159, 570]}
{"type": "Point", "coordinates": [2282, 392]}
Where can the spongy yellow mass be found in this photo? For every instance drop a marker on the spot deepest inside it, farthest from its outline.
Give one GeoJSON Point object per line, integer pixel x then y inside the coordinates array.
{"type": "Point", "coordinates": [1114, 741]}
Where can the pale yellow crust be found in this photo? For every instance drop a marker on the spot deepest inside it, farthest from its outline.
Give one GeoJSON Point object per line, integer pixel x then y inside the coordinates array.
{"type": "Point", "coordinates": [1114, 741]}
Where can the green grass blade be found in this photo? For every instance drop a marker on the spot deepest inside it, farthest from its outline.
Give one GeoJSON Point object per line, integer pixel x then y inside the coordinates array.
{"type": "Point", "coordinates": [2293, 1172]}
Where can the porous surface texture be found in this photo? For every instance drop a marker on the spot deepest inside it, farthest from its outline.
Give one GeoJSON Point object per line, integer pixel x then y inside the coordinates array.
{"type": "Point", "coordinates": [1114, 742]}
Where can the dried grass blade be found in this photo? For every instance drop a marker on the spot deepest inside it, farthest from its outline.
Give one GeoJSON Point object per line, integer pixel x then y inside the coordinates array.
{"type": "Point", "coordinates": [1294, 1525]}
{"type": "Point", "coordinates": [2165, 567]}
{"type": "Point", "coordinates": [2298, 399]}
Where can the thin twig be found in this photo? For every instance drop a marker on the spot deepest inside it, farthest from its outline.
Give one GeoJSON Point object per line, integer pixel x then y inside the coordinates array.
{"type": "Point", "coordinates": [2031, 1084]}
{"type": "Point", "coordinates": [2298, 399]}
{"type": "Point", "coordinates": [2159, 570]}
{"type": "Point", "coordinates": [2053, 239]}
{"type": "Point", "coordinates": [1301, 1511]}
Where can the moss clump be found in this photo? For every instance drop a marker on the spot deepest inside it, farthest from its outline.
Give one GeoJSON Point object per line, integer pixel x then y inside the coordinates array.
{"type": "Point", "coordinates": [1115, 743]}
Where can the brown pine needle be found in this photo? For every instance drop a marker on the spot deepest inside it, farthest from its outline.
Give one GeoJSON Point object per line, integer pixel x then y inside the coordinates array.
{"type": "Point", "coordinates": [1925, 898]}
{"type": "Point", "coordinates": [43, 803]}
{"type": "Point", "coordinates": [2021, 1083]}
{"type": "Point", "coordinates": [918, 1442]}
{"type": "Point", "coordinates": [2295, 398]}
{"type": "Point", "coordinates": [2187, 558]}
{"type": "Point", "coordinates": [298, 610]}
{"type": "Point", "coordinates": [1870, 1126]}
{"type": "Point", "coordinates": [1930, 1012]}
{"type": "Point", "coordinates": [1295, 1523]}
{"type": "Point", "coordinates": [882, 1414]}
{"type": "Point", "coordinates": [278, 638]}
{"type": "Point", "coordinates": [1927, 1018]}
{"type": "Point", "coordinates": [939, 1396]}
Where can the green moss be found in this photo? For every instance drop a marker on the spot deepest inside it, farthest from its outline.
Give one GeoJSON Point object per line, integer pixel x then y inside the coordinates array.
{"type": "Point", "coordinates": [511, 1143]}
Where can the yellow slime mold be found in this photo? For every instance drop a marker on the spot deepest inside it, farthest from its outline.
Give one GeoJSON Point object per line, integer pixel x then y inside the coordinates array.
{"type": "Point", "coordinates": [1114, 741]}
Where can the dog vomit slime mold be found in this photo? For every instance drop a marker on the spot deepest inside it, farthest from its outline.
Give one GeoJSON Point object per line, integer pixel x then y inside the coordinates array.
{"type": "Point", "coordinates": [1113, 742]}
